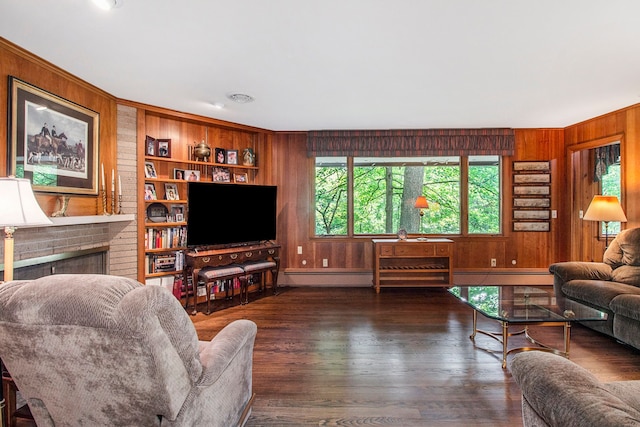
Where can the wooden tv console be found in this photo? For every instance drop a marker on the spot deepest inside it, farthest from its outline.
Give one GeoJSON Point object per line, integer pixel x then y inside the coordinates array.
{"type": "Point", "coordinates": [237, 256]}
{"type": "Point", "coordinates": [412, 263]}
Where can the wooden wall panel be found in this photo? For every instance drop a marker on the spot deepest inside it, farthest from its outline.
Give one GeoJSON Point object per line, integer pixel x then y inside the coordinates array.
{"type": "Point", "coordinates": [19, 63]}
{"type": "Point", "coordinates": [618, 125]}
{"type": "Point", "coordinates": [294, 176]}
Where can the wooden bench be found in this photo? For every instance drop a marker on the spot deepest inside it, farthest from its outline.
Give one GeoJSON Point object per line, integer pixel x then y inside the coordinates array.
{"type": "Point", "coordinates": [210, 275]}
{"type": "Point", "coordinates": [258, 267]}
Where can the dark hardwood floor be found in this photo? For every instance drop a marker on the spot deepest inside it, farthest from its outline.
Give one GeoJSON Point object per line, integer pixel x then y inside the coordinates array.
{"type": "Point", "coordinates": [351, 357]}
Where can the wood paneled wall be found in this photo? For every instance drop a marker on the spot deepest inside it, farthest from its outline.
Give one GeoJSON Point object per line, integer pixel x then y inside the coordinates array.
{"type": "Point", "coordinates": [618, 125]}
{"type": "Point", "coordinates": [16, 62]}
{"type": "Point", "coordinates": [294, 176]}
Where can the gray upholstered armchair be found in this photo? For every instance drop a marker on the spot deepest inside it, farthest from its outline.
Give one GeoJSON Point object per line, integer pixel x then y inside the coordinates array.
{"type": "Point", "coordinates": [558, 393]}
{"type": "Point", "coordinates": [106, 350]}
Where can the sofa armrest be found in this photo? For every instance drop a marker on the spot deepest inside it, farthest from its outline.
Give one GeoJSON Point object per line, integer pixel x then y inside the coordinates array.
{"type": "Point", "coordinates": [235, 341]}
{"type": "Point", "coordinates": [583, 270]}
{"type": "Point", "coordinates": [565, 394]}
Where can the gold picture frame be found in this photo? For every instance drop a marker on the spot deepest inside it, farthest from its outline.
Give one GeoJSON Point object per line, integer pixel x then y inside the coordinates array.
{"type": "Point", "coordinates": [54, 142]}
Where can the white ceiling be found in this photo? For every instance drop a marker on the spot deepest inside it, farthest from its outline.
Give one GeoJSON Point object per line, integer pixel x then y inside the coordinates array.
{"type": "Point", "coordinates": [349, 64]}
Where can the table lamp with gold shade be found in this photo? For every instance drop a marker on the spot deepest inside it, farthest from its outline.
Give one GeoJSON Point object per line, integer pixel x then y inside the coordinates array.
{"type": "Point", "coordinates": [605, 209]}
{"type": "Point", "coordinates": [422, 204]}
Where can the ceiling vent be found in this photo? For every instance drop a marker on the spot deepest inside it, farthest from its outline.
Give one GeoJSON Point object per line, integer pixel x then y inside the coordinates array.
{"type": "Point", "coordinates": [240, 98]}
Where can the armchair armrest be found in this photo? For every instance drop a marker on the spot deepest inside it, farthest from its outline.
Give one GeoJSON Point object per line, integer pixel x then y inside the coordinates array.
{"type": "Point", "coordinates": [232, 343]}
{"type": "Point", "coordinates": [563, 393]}
{"type": "Point", "coordinates": [583, 270]}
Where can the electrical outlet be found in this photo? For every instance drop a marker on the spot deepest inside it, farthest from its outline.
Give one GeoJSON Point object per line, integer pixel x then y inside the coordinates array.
{"type": "Point", "coordinates": [325, 262]}
{"type": "Point", "coordinates": [493, 262]}
{"type": "Point", "coordinates": [299, 250]}
{"type": "Point", "coordinates": [554, 213]}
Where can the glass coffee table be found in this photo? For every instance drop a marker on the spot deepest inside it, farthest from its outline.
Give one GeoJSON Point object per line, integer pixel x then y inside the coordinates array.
{"type": "Point", "coordinates": [523, 306]}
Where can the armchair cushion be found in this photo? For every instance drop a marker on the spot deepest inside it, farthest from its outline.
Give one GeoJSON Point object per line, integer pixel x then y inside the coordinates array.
{"type": "Point", "coordinates": [564, 394]}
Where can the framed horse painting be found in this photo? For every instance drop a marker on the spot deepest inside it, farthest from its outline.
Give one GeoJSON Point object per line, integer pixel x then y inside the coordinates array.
{"type": "Point", "coordinates": [54, 142]}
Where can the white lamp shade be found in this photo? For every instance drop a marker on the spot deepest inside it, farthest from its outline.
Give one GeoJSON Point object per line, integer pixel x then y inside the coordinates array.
{"type": "Point", "coordinates": [18, 204]}
{"type": "Point", "coordinates": [605, 208]}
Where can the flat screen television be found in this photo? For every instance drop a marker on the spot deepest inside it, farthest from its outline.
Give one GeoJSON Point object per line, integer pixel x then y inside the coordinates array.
{"type": "Point", "coordinates": [230, 214]}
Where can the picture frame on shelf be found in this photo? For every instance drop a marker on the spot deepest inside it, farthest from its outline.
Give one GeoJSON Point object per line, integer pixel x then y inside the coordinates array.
{"type": "Point", "coordinates": [43, 130]}
{"type": "Point", "coordinates": [219, 174]}
{"type": "Point", "coordinates": [150, 170]}
{"type": "Point", "coordinates": [171, 191]}
{"type": "Point", "coordinates": [241, 178]}
{"type": "Point", "coordinates": [150, 146]}
{"type": "Point", "coordinates": [150, 192]}
{"type": "Point", "coordinates": [164, 147]}
{"type": "Point", "coordinates": [178, 174]}
{"type": "Point", "coordinates": [232, 157]}
{"type": "Point", "coordinates": [177, 213]}
{"type": "Point", "coordinates": [192, 175]}
{"type": "Point", "coordinates": [221, 155]}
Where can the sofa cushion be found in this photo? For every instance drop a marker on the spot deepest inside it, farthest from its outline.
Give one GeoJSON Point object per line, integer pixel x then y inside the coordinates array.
{"type": "Point", "coordinates": [629, 274]}
{"type": "Point", "coordinates": [597, 293]}
{"type": "Point", "coordinates": [627, 305]}
{"type": "Point", "coordinates": [624, 249]}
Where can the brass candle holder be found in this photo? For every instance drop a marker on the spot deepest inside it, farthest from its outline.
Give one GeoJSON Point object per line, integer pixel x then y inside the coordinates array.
{"type": "Point", "coordinates": [104, 203]}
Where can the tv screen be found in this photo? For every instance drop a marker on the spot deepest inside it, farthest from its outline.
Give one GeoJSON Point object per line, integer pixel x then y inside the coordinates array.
{"type": "Point", "coordinates": [230, 214]}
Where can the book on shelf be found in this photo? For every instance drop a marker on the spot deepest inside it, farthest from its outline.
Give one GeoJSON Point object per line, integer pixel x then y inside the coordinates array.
{"type": "Point", "coordinates": [161, 263]}
{"type": "Point", "coordinates": [165, 238]}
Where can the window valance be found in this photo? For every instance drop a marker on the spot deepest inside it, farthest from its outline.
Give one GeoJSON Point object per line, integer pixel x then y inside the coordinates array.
{"type": "Point", "coordinates": [425, 142]}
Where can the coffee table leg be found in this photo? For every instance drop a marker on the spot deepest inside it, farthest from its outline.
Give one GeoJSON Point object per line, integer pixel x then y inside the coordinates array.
{"type": "Point", "coordinates": [567, 338]}
{"type": "Point", "coordinates": [505, 339]}
{"type": "Point", "coordinates": [475, 325]}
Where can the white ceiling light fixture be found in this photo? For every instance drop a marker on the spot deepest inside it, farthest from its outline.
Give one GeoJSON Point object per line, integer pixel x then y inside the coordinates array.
{"type": "Point", "coordinates": [240, 98]}
{"type": "Point", "coordinates": [107, 4]}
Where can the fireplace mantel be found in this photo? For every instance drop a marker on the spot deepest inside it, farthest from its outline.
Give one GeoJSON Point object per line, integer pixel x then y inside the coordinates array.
{"type": "Point", "coordinates": [89, 219]}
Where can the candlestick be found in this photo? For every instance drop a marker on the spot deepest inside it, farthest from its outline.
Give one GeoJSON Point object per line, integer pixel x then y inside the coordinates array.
{"type": "Point", "coordinates": [119, 204]}
{"type": "Point", "coordinates": [104, 202]}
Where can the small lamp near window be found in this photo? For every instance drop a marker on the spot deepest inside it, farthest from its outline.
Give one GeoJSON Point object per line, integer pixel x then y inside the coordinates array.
{"type": "Point", "coordinates": [605, 209]}
{"type": "Point", "coordinates": [19, 208]}
{"type": "Point", "coordinates": [422, 204]}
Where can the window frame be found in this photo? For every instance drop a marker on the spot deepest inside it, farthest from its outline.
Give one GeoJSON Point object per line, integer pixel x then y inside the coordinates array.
{"type": "Point", "coordinates": [464, 201]}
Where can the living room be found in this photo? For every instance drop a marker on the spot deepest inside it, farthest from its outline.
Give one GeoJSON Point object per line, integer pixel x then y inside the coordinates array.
{"type": "Point", "coordinates": [307, 259]}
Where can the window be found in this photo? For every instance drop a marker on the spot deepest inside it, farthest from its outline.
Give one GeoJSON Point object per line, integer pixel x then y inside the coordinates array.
{"type": "Point", "coordinates": [610, 185]}
{"type": "Point", "coordinates": [383, 190]}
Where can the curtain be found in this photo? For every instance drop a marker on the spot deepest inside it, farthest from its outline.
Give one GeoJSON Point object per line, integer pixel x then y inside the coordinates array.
{"type": "Point", "coordinates": [399, 143]}
{"type": "Point", "coordinates": [605, 157]}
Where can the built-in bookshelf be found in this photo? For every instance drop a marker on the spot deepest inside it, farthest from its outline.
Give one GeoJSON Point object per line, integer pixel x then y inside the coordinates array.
{"type": "Point", "coordinates": [168, 143]}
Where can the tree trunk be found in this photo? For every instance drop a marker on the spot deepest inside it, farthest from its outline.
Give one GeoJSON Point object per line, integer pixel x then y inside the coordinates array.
{"type": "Point", "coordinates": [413, 181]}
{"type": "Point", "coordinates": [388, 178]}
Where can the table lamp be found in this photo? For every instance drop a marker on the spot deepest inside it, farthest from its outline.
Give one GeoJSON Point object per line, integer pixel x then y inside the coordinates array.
{"type": "Point", "coordinates": [422, 204]}
{"type": "Point", "coordinates": [605, 209]}
{"type": "Point", "coordinates": [19, 208]}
